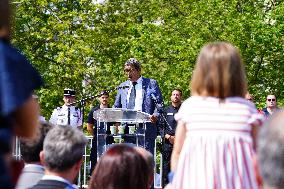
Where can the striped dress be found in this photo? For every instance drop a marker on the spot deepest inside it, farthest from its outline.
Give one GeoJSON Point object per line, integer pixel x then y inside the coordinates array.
{"type": "Point", "coordinates": [218, 150]}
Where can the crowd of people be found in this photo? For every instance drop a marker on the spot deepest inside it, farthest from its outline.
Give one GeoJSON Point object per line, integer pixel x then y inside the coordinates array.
{"type": "Point", "coordinates": [210, 140]}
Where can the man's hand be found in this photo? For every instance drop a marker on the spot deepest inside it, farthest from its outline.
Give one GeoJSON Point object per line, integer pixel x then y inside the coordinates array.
{"type": "Point", "coordinates": [172, 139]}
{"type": "Point", "coordinates": [90, 128]}
{"type": "Point", "coordinates": [153, 118]}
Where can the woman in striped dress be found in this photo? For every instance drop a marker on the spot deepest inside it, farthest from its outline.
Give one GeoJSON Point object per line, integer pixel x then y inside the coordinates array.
{"type": "Point", "coordinates": [215, 137]}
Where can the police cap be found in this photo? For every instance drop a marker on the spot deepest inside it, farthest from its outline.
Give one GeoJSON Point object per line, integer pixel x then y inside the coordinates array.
{"type": "Point", "coordinates": [104, 92]}
{"type": "Point", "coordinates": [69, 92]}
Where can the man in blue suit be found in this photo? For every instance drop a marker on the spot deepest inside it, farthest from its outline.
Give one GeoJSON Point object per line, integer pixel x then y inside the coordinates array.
{"type": "Point", "coordinates": [139, 96]}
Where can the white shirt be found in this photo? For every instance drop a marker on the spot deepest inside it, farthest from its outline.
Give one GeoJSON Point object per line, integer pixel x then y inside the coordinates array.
{"type": "Point", "coordinates": [60, 116]}
{"type": "Point", "coordinates": [139, 94]}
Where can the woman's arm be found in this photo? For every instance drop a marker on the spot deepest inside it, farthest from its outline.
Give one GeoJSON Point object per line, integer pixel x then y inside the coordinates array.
{"type": "Point", "coordinates": [179, 140]}
{"type": "Point", "coordinates": [26, 119]}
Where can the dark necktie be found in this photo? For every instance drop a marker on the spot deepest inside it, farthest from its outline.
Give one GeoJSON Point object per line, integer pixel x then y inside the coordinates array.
{"type": "Point", "coordinates": [68, 115]}
{"type": "Point", "coordinates": [132, 97]}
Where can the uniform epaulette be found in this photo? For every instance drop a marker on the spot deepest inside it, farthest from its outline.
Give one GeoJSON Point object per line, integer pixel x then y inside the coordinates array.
{"type": "Point", "coordinates": [59, 108]}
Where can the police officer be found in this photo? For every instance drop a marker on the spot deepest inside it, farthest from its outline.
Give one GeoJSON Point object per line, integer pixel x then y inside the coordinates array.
{"type": "Point", "coordinates": [67, 114]}
{"type": "Point", "coordinates": [169, 131]}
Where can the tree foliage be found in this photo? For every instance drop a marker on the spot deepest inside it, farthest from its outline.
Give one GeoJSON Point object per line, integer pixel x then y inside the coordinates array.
{"type": "Point", "coordinates": [84, 40]}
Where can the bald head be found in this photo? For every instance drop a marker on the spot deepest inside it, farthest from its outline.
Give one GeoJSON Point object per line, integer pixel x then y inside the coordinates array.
{"type": "Point", "coordinates": [271, 152]}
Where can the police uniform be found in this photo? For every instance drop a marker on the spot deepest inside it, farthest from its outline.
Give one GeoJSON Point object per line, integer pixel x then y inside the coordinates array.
{"type": "Point", "coordinates": [170, 111]}
{"type": "Point", "coordinates": [67, 115]}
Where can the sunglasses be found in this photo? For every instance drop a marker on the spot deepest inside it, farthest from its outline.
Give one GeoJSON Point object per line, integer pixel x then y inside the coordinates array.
{"type": "Point", "coordinates": [271, 99]}
{"type": "Point", "coordinates": [128, 70]}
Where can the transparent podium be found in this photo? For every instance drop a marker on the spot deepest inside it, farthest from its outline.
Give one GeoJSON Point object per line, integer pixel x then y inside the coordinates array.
{"type": "Point", "coordinates": [121, 125]}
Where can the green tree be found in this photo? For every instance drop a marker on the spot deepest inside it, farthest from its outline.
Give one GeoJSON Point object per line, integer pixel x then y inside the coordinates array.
{"type": "Point", "coordinates": [72, 41]}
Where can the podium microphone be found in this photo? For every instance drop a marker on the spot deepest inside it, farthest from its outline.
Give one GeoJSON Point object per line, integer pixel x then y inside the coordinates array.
{"type": "Point", "coordinates": [160, 108]}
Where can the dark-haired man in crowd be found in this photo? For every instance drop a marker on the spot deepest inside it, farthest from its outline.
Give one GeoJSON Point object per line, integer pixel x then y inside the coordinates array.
{"type": "Point", "coordinates": [168, 128]}
{"type": "Point", "coordinates": [92, 127]}
{"type": "Point", "coordinates": [30, 150]}
{"type": "Point", "coordinates": [62, 157]}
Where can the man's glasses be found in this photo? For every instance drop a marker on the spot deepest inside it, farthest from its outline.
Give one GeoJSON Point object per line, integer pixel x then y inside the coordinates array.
{"type": "Point", "coordinates": [126, 71]}
{"type": "Point", "coordinates": [271, 99]}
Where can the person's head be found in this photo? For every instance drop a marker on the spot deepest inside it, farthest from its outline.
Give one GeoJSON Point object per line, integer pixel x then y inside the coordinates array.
{"type": "Point", "coordinates": [150, 163]}
{"type": "Point", "coordinates": [69, 96]}
{"type": "Point", "coordinates": [219, 72]}
{"type": "Point", "coordinates": [270, 151]}
{"type": "Point", "coordinates": [120, 167]}
{"type": "Point", "coordinates": [271, 101]}
{"type": "Point", "coordinates": [132, 68]}
{"type": "Point", "coordinates": [63, 147]}
{"type": "Point", "coordinates": [249, 97]}
{"type": "Point", "coordinates": [31, 148]}
{"type": "Point", "coordinates": [176, 96]}
{"type": "Point", "coordinates": [104, 98]}
{"type": "Point", "coordinates": [5, 16]}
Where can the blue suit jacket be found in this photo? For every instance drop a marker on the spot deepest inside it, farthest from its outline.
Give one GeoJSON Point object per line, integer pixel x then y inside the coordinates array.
{"type": "Point", "coordinates": [148, 86]}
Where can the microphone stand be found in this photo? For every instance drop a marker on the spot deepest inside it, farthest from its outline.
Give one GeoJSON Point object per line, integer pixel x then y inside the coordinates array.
{"type": "Point", "coordinates": [82, 103]}
{"type": "Point", "coordinates": [164, 123]}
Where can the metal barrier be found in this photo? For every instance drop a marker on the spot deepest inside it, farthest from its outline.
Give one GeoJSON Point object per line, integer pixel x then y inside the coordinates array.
{"type": "Point", "coordinates": [84, 173]}
{"type": "Point", "coordinates": [158, 163]}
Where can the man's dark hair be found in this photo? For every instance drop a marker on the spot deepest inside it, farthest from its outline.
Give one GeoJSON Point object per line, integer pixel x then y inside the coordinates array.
{"type": "Point", "coordinates": [30, 148]}
{"type": "Point", "coordinates": [133, 62]}
{"type": "Point", "coordinates": [104, 92]}
{"type": "Point", "coordinates": [271, 93]}
{"type": "Point", "coordinates": [177, 89]}
{"type": "Point", "coordinates": [4, 13]}
{"type": "Point", "coordinates": [5, 16]}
